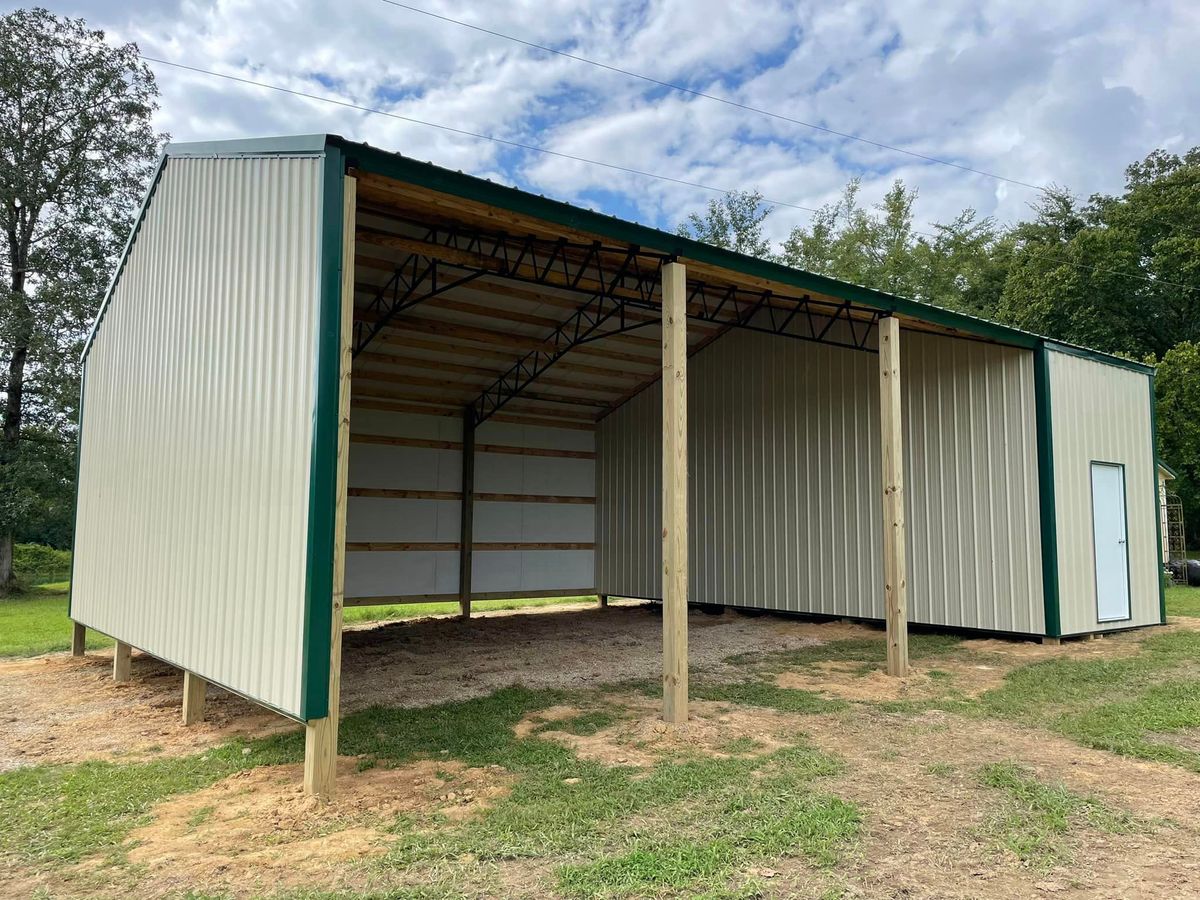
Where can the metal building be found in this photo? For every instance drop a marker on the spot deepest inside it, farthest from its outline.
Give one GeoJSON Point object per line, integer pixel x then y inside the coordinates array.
{"type": "Point", "coordinates": [329, 374]}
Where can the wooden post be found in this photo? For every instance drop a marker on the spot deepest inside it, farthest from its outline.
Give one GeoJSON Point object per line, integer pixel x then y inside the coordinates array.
{"type": "Point", "coordinates": [321, 735]}
{"type": "Point", "coordinates": [895, 576]}
{"type": "Point", "coordinates": [78, 638]}
{"type": "Point", "coordinates": [604, 601]}
{"type": "Point", "coordinates": [121, 661]}
{"type": "Point", "coordinates": [674, 496]}
{"type": "Point", "coordinates": [194, 689]}
{"type": "Point", "coordinates": [467, 512]}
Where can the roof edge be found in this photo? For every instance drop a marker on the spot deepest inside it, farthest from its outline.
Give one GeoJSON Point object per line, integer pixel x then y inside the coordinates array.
{"type": "Point", "coordinates": [281, 145]}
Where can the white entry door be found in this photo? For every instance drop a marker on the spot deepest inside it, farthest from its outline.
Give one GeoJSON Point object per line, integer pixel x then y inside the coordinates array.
{"type": "Point", "coordinates": [1111, 541]}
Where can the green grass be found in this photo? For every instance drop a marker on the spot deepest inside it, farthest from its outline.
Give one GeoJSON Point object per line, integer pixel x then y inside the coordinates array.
{"type": "Point", "coordinates": [36, 622]}
{"type": "Point", "coordinates": [1037, 819]}
{"type": "Point", "coordinates": [61, 814]}
{"type": "Point", "coordinates": [1183, 600]}
{"type": "Point", "coordinates": [415, 610]}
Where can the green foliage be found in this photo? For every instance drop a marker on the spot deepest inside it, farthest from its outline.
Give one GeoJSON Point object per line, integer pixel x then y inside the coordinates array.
{"type": "Point", "coordinates": [1177, 391]}
{"type": "Point", "coordinates": [734, 222]}
{"type": "Point", "coordinates": [76, 151]}
{"type": "Point", "coordinates": [1038, 818]}
{"type": "Point", "coordinates": [38, 564]}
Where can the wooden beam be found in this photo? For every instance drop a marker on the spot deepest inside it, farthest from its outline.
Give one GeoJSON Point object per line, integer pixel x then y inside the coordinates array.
{"type": "Point", "coordinates": [437, 444]}
{"type": "Point", "coordinates": [466, 512]}
{"type": "Point", "coordinates": [895, 576]}
{"type": "Point", "coordinates": [447, 546]}
{"type": "Point", "coordinates": [321, 735]}
{"type": "Point", "coordinates": [194, 690]}
{"type": "Point", "coordinates": [445, 410]}
{"type": "Point", "coordinates": [78, 638]}
{"type": "Point", "coordinates": [122, 654]}
{"type": "Point", "coordinates": [480, 497]}
{"type": "Point", "coordinates": [674, 496]}
{"type": "Point", "coordinates": [453, 598]}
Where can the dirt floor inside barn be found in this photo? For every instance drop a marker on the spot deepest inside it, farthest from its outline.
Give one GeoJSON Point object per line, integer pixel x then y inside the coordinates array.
{"type": "Point", "coordinates": [521, 754]}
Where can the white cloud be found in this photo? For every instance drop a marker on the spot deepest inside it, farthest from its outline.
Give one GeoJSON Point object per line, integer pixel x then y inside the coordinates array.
{"type": "Point", "coordinates": [1066, 92]}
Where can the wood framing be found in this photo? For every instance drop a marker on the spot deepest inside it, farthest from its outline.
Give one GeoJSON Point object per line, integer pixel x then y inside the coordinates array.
{"type": "Point", "coordinates": [122, 653]}
{"type": "Point", "coordinates": [674, 498]}
{"type": "Point", "coordinates": [321, 735]}
{"type": "Point", "coordinates": [78, 639]}
{"type": "Point", "coordinates": [194, 690]}
{"type": "Point", "coordinates": [467, 512]}
{"type": "Point", "coordinates": [895, 576]}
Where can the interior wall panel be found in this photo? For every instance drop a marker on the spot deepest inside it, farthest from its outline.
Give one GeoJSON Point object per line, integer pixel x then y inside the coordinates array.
{"type": "Point", "coordinates": [198, 406]}
{"type": "Point", "coordinates": [784, 482]}
{"type": "Point", "coordinates": [418, 571]}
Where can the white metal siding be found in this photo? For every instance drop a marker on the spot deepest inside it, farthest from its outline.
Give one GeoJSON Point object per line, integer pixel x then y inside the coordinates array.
{"type": "Point", "coordinates": [1101, 413]}
{"type": "Point", "coordinates": [198, 407]}
{"type": "Point", "coordinates": [784, 487]}
{"type": "Point", "coordinates": [413, 572]}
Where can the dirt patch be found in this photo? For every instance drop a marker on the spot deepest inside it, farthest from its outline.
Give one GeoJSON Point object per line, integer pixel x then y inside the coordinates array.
{"type": "Point", "coordinates": [712, 730]}
{"type": "Point", "coordinates": [257, 830]}
{"type": "Point", "coordinates": [926, 812]}
{"type": "Point", "coordinates": [58, 709]}
{"type": "Point", "coordinates": [847, 681]}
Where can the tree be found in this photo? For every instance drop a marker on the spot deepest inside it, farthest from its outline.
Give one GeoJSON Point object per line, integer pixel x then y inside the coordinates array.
{"type": "Point", "coordinates": [880, 249]}
{"type": "Point", "coordinates": [1177, 391]}
{"type": "Point", "coordinates": [735, 222]}
{"type": "Point", "coordinates": [76, 148]}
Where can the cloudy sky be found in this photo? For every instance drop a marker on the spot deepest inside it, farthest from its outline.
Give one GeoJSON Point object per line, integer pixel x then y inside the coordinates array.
{"type": "Point", "coordinates": [1064, 92]}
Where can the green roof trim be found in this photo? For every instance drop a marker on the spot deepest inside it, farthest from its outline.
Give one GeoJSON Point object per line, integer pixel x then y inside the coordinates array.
{"type": "Point", "coordinates": [1162, 465]}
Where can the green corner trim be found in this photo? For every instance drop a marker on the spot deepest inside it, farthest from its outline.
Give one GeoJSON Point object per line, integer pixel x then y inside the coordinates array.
{"type": "Point", "coordinates": [318, 587]}
{"type": "Point", "coordinates": [1047, 504]}
{"type": "Point", "coordinates": [1162, 592]}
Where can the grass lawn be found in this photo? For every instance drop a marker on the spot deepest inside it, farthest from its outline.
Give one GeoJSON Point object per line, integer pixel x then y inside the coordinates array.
{"type": "Point", "coordinates": [36, 622]}
{"type": "Point", "coordinates": [695, 822]}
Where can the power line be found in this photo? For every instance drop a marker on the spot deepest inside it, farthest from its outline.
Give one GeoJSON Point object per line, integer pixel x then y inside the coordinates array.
{"type": "Point", "coordinates": [715, 98]}
{"type": "Point", "coordinates": [594, 162]}
{"type": "Point", "coordinates": [462, 131]}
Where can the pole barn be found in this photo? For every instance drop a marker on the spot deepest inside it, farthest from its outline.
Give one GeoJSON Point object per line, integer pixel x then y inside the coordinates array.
{"type": "Point", "coordinates": [329, 375]}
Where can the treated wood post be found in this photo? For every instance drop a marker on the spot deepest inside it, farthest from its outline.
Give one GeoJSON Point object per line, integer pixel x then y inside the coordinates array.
{"type": "Point", "coordinates": [78, 638]}
{"type": "Point", "coordinates": [467, 512]}
{"type": "Point", "coordinates": [674, 496]}
{"type": "Point", "coordinates": [603, 601]}
{"type": "Point", "coordinates": [321, 735]}
{"type": "Point", "coordinates": [194, 690]}
{"type": "Point", "coordinates": [895, 576]}
{"type": "Point", "coordinates": [121, 661]}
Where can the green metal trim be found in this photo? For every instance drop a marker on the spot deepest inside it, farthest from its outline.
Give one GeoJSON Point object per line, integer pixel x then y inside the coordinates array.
{"type": "Point", "coordinates": [313, 144]}
{"type": "Point", "coordinates": [1162, 592]}
{"type": "Point", "coordinates": [1047, 502]}
{"type": "Point", "coordinates": [1162, 465]}
{"type": "Point", "coordinates": [1119, 362]}
{"type": "Point", "coordinates": [137, 227]}
{"type": "Point", "coordinates": [78, 462]}
{"type": "Point", "coordinates": [318, 587]}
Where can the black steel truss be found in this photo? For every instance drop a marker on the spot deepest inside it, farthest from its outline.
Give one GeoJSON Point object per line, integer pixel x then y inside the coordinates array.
{"type": "Point", "coordinates": [615, 280]}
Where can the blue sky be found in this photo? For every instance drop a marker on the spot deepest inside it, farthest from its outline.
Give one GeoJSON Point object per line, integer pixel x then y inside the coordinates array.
{"type": "Point", "coordinates": [1067, 92]}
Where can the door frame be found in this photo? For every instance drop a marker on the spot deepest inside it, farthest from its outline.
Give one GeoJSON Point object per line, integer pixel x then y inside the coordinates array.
{"type": "Point", "coordinates": [1128, 568]}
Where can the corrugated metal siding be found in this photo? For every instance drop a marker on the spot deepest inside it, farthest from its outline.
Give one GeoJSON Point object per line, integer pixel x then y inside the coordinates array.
{"type": "Point", "coordinates": [784, 489]}
{"type": "Point", "coordinates": [402, 573]}
{"type": "Point", "coordinates": [1102, 413]}
{"type": "Point", "coordinates": [198, 405]}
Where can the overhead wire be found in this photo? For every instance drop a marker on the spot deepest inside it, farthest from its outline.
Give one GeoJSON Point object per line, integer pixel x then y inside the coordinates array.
{"type": "Point", "coordinates": [581, 159]}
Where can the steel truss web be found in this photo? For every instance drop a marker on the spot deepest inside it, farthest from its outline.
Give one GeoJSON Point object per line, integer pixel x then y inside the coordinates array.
{"type": "Point", "coordinates": [613, 280]}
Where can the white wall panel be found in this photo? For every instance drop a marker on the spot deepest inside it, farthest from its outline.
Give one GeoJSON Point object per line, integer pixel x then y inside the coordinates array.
{"type": "Point", "coordinates": [1101, 413]}
{"type": "Point", "coordinates": [784, 478]}
{"type": "Point", "coordinates": [198, 407]}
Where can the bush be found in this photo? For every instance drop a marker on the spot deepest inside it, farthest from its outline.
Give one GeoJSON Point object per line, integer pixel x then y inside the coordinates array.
{"type": "Point", "coordinates": [39, 564]}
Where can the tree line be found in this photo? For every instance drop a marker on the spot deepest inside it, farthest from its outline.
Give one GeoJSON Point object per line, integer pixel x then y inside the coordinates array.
{"type": "Point", "coordinates": [1117, 273]}
{"type": "Point", "coordinates": [77, 148]}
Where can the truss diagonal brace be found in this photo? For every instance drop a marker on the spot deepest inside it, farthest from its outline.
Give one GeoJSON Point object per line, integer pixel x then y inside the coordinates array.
{"type": "Point", "coordinates": [405, 295]}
